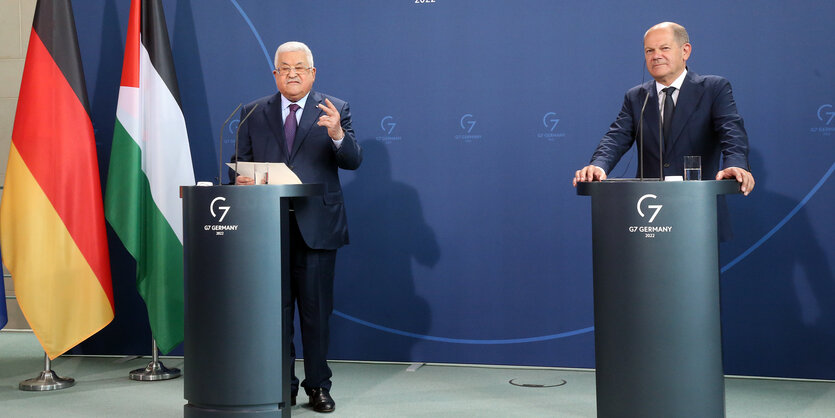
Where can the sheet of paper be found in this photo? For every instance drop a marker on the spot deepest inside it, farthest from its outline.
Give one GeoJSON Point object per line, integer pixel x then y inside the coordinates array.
{"type": "Point", "coordinates": [275, 173]}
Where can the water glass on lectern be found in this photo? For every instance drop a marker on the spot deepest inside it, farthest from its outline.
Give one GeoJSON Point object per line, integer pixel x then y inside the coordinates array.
{"type": "Point", "coordinates": [261, 173]}
{"type": "Point", "coordinates": [692, 167]}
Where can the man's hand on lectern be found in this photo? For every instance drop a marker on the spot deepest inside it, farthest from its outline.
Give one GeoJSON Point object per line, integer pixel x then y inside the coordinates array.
{"type": "Point", "coordinates": [589, 173]}
{"type": "Point", "coordinates": [244, 180]}
{"type": "Point", "coordinates": [745, 179]}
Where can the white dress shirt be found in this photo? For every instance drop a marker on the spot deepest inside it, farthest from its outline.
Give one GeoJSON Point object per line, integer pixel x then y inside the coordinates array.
{"type": "Point", "coordinates": [677, 84]}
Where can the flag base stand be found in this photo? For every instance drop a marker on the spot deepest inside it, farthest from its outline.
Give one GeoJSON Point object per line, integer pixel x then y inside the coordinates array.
{"type": "Point", "coordinates": [155, 370]}
{"type": "Point", "coordinates": [47, 380]}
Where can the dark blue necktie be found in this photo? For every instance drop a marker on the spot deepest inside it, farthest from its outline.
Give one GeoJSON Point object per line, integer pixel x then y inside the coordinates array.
{"type": "Point", "coordinates": [290, 126]}
{"type": "Point", "coordinates": [669, 106]}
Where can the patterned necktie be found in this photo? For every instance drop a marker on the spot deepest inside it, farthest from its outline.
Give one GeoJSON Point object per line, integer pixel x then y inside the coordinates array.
{"type": "Point", "coordinates": [290, 126]}
{"type": "Point", "coordinates": [669, 106]}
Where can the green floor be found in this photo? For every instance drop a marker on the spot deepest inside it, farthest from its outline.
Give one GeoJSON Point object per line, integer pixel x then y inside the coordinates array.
{"type": "Point", "coordinates": [367, 390]}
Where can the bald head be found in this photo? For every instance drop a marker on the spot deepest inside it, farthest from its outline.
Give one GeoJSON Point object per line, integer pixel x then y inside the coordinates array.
{"type": "Point", "coordinates": [679, 33]}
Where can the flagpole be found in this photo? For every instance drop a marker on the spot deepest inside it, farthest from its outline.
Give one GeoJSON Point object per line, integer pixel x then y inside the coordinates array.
{"type": "Point", "coordinates": [47, 380]}
{"type": "Point", "coordinates": [155, 369]}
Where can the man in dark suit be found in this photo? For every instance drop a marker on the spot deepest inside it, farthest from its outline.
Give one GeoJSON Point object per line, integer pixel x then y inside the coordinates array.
{"type": "Point", "coordinates": [310, 132]}
{"type": "Point", "coordinates": [701, 112]}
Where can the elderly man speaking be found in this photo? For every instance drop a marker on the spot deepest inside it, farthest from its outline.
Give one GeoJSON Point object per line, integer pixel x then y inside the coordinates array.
{"type": "Point", "coordinates": [310, 132]}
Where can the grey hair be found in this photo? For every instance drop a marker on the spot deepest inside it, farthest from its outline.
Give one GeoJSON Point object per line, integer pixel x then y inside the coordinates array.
{"type": "Point", "coordinates": [679, 33]}
{"type": "Point", "coordinates": [294, 46]}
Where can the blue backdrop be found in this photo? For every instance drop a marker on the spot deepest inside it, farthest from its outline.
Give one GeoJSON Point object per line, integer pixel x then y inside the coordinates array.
{"type": "Point", "coordinates": [469, 244]}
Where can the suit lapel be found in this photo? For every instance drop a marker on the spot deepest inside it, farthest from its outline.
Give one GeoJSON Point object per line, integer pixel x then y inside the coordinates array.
{"type": "Point", "coordinates": [273, 114]}
{"type": "Point", "coordinates": [309, 117]}
{"type": "Point", "coordinates": [688, 99]}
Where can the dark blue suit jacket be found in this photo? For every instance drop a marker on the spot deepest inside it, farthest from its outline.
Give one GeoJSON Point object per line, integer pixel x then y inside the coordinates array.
{"type": "Point", "coordinates": [314, 158]}
{"type": "Point", "coordinates": [705, 123]}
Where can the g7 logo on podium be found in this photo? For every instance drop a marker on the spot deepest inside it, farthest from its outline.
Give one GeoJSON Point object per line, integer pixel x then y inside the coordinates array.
{"type": "Point", "coordinates": [225, 209]}
{"type": "Point", "coordinates": [656, 207]}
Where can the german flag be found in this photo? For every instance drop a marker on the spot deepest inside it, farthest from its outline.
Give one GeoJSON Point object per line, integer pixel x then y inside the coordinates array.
{"type": "Point", "coordinates": [52, 226]}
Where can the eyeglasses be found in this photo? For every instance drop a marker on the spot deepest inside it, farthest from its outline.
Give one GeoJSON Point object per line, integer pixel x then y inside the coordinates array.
{"type": "Point", "coordinates": [286, 70]}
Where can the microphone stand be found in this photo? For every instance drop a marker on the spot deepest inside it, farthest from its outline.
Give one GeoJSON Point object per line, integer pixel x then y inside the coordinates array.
{"type": "Point", "coordinates": [236, 138]}
{"type": "Point", "coordinates": [641, 137]}
{"type": "Point", "coordinates": [220, 144]}
{"type": "Point", "coordinates": [661, 140]}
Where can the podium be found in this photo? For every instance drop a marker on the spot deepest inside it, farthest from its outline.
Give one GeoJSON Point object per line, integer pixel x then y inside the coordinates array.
{"type": "Point", "coordinates": [235, 249]}
{"type": "Point", "coordinates": [658, 342]}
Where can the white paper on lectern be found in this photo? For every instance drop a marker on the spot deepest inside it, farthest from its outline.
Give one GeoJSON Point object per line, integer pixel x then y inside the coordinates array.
{"type": "Point", "coordinates": [279, 172]}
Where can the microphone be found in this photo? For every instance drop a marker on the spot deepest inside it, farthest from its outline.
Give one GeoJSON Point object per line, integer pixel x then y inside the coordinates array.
{"type": "Point", "coordinates": [236, 138]}
{"type": "Point", "coordinates": [661, 138]}
{"type": "Point", "coordinates": [641, 136]}
{"type": "Point", "coordinates": [220, 143]}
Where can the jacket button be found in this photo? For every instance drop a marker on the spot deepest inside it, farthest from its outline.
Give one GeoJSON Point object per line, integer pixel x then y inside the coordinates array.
{"type": "Point", "coordinates": [666, 165]}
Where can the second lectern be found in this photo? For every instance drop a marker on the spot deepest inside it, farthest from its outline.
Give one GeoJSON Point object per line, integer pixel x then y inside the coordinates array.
{"type": "Point", "coordinates": [658, 348]}
{"type": "Point", "coordinates": [235, 251]}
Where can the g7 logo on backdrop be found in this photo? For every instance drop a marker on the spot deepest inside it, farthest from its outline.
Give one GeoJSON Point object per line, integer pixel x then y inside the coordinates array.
{"type": "Point", "coordinates": [467, 122]}
{"type": "Point", "coordinates": [550, 121]}
{"type": "Point", "coordinates": [225, 209]}
{"type": "Point", "coordinates": [830, 115]}
{"type": "Point", "coordinates": [233, 125]}
{"type": "Point", "coordinates": [656, 207]}
{"type": "Point", "coordinates": [387, 124]}
{"type": "Point", "coordinates": [387, 127]}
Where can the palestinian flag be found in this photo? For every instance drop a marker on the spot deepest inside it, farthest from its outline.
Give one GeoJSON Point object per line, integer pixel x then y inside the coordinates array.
{"type": "Point", "coordinates": [149, 161]}
{"type": "Point", "coordinates": [51, 219]}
